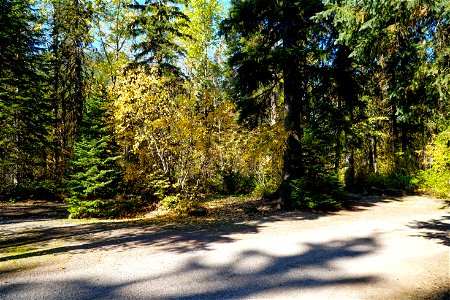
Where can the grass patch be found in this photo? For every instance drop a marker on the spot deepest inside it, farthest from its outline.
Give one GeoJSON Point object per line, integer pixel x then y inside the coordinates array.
{"type": "Point", "coordinates": [219, 211]}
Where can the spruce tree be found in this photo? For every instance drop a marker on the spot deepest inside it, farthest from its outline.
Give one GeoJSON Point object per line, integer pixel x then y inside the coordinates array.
{"type": "Point", "coordinates": [393, 47]}
{"type": "Point", "coordinates": [93, 172]}
{"type": "Point", "coordinates": [156, 28]}
{"type": "Point", "coordinates": [69, 30]}
{"type": "Point", "coordinates": [24, 109]}
{"type": "Point", "coordinates": [272, 44]}
{"type": "Point", "coordinates": [94, 145]}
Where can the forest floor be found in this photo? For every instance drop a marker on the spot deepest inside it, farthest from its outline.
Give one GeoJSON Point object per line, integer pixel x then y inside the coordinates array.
{"type": "Point", "coordinates": [380, 248]}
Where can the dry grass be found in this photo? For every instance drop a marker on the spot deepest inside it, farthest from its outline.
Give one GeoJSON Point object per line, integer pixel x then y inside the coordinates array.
{"type": "Point", "coordinates": [218, 210]}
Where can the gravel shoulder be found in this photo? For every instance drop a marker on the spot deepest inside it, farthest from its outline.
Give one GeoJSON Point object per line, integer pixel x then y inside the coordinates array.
{"type": "Point", "coordinates": [383, 248]}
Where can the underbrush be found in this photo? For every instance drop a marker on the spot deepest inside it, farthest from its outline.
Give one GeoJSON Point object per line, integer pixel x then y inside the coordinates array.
{"type": "Point", "coordinates": [324, 194]}
{"type": "Point", "coordinates": [29, 189]}
{"type": "Point", "coordinates": [435, 182]}
{"type": "Point", "coordinates": [391, 183]}
{"type": "Point", "coordinates": [183, 205]}
{"type": "Point", "coordinates": [107, 208]}
{"type": "Point", "coordinates": [436, 178]}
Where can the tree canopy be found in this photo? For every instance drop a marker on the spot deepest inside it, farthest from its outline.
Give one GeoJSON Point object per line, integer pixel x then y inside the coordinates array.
{"type": "Point", "coordinates": [123, 104]}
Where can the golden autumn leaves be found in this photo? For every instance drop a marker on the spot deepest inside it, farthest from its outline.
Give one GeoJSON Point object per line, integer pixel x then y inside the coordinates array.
{"type": "Point", "coordinates": [168, 129]}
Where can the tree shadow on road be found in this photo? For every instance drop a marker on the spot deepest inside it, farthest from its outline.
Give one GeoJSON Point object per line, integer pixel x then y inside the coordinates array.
{"type": "Point", "coordinates": [311, 269]}
{"type": "Point", "coordinates": [249, 274]}
{"type": "Point", "coordinates": [118, 236]}
{"type": "Point", "coordinates": [364, 202]}
{"type": "Point", "coordinates": [20, 238]}
{"type": "Point", "coordinates": [437, 229]}
{"type": "Point", "coordinates": [48, 239]}
{"type": "Point", "coordinates": [31, 211]}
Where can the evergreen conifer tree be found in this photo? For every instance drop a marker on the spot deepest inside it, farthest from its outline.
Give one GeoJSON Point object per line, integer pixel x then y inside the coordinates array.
{"type": "Point", "coordinates": [24, 109]}
{"type": "Point", "coordinates": [156, 28]}
{"type": "Point", "coordinates": [69, 26]}
{"type": "Point", "coordinates": [273, 44]}
{"type": "Point", "coordinates": [93, 172]}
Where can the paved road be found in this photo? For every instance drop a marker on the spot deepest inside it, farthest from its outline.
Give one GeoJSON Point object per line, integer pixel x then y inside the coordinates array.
{"type": "Point", "coordinates": [383, 249]}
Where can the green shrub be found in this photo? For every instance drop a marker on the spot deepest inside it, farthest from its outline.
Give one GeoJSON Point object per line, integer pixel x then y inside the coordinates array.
{"type": "Point", "coordinates": [170, 202]}
{"type": "Point", "coordinates": [436, 178]}
{"type": "Point", "coordinates": [30, 189]}
{"type": "Point", "coordinates": [325, 194]}
{"type": "Point", "coordinates": [236, 183]}
{"type": "Point", "coordinates": [266, 188]}
{"type": "Point", "coordinates": [191, 207]}
{"type": "Point", "coordinates": [107, 208]}
{"type": "Point", "coordinates": [187, 204]}
{"type": "Point", "coordinates": [435, 182]}
{"type": "Point", "coordinates": [394, 182]}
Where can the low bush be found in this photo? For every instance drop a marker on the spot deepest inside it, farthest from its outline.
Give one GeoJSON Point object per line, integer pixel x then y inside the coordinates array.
{"type": "Point", "coordinates": [187, 204]}
{"type": "Point", "coordinates": [235, 183]}
{"type": "Point", "coordinates": [170, 202]}
{"type": "Point", "coordinates": [325, 194]}
{"type": "Point", "coordinates": [107, 208]}
{"type": "Point", "coordinates": [30, 189]}
{"type": "Point", "coordinates": [435, 182]}
{"type": "Point", "coordinates": [396, 183]}
{"type": "Point", "coordinates": [266, 188]}
{"type": "Point", "coordinates": [435, 179]}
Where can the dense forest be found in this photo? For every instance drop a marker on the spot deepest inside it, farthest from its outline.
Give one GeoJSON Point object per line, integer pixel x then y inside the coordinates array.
{"type": "Point", "coordinates": [117, 105]}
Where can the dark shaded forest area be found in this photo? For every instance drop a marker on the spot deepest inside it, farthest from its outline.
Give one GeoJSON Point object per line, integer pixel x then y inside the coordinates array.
{"type": "Point", "coordinates": [117, 106]}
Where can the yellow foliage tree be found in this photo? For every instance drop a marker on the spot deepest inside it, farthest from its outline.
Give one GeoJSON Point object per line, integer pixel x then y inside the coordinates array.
{"type": "Point", "coordinates": [154, 126]}
{"type": "Point", "coordinates": [436, 176]}
{"type": "Point", "coordinates": [165, 140]}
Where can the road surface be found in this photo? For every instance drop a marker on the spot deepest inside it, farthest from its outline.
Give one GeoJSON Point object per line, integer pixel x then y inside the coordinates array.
{"type": "Point", "coordinates": [381, 249]}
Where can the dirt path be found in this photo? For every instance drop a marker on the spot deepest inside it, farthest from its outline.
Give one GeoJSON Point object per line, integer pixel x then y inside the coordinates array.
{"type": "Point", "coordinates": [382, 249]}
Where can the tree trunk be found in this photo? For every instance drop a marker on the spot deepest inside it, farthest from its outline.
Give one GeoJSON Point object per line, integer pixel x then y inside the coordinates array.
{"type": "Point", "coordinates": [375, 155]}
{"type": "Point", "coordinates": [350, 172]}
{"type": "Point", "coordinates": [273, 108]}
{"type": "Point", "coordinates": [395, 138]}
{"type": "Point", "coordinates": [338, 149]}
{"type": "Point", "coordinates": [293, 95]}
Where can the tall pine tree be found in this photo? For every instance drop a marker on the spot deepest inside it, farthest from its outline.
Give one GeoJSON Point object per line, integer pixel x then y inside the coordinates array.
{"type": "Point", "coordinates": [69, 23]}
{"type": "Point", "coordinates": [272, 44]}
{"type": "Point", "coordinates": [393, 46]}
{"type": "Point", "coordinates": [24, 110]}
{"type": "Point", "coordinates": [156, 28]}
